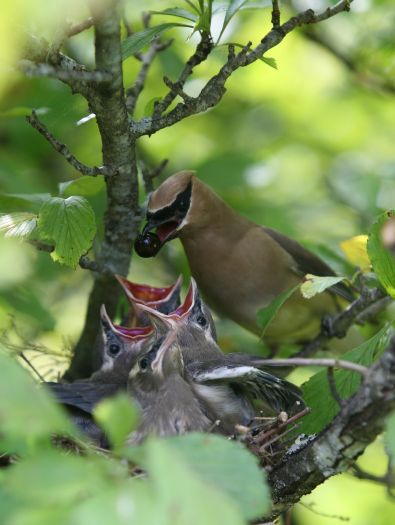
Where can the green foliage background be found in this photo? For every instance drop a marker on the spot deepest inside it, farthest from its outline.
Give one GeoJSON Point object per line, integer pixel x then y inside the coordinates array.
{"type": "Point", "coordinates": [307, 148]}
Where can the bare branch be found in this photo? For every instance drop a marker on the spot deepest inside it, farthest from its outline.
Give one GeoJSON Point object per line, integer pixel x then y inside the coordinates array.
{"type": "Point", "coordinates": [387, 479]}
{"type": "Point", "coordinates": [32, 69]}
{"type": "Point", "coordinates": [149, 174]}
{"type": "Point", "coordinates": [338, 325]}
{"type": "Point", "coordinates": [80, 27]}
{"type": "Point", "coordinates": [326, 362]}
{"type": "Point", "coordinates": [214, 90]}
{"type": "Point", "coordinates": [275, 14]}
{"type": "Point", "coordinates": [64, 150]}
{"type": "Point", "coordinates": [147, 58]}
{"type": "Point", "coordinates": [359, 421]}
{"type": "Point", "coordinates": [332, 387]}
{"type": "Point", "coordinates": [94, 266]}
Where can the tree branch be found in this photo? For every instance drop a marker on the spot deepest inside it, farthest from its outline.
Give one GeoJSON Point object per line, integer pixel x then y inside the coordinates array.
{"type": "Point", "coordinates": [360, 420]}
{"type": "Point", "coordinates": [338, 325]}
{"type": "Point", "coordinates": [331, 363]}
{"type": "Point", "coordinates": [32, 69]}
{"type": "Point", "coordinates": [64, 150]}
{"type": "Point", "coordinates": [214, 90]}
{"type": "Point", "coordinates": [122, 217]}
{"type": "Point", "coordinates": [147, 58]}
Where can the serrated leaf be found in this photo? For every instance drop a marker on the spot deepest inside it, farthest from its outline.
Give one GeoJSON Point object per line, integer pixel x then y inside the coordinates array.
{"type": "Point", "coordinates": [226, 465]}
{"type": "Point", "coordinates": [70, 224]}
{"type": "Point", "coordinates": [270, 61]}
{"type": "Point", "coordinates": [83, 186]}
{"type": "Point", "coordinates": [19, 224]}
{"type": "Point", "coordinates": [382, 259]}
{"type": "Point", "coordinates": [27, 413]}
{"type": "Point", "coordinates": [118, 417]}
{"type": "Point", "coordinates": [390, 436]}
{"type": "Point", "coordinates": [178, 12]}
{"type": "Point", "coordinates": [316, 391]}
{"type": "Point", "coordinates": [137, 41]}
{"type": "Point", "coordinates": [314, 284]}
{"type": "Point", "coordinates": [266, 315]}
{"type": "Point", "coordinates": [355, 250]}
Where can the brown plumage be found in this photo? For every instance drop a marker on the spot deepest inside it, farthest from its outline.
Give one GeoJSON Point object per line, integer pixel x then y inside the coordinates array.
{"type": "Point", "coordinates": [240, 266]}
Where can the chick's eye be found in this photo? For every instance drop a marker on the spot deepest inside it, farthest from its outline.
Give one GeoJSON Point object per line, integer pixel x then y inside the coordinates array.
{"type": "Point", "coordinates": [202, 321]}
{"type": "Point", "coordinates": [144, 363]}
{"type": "Point", "coordinates": [114, 349]}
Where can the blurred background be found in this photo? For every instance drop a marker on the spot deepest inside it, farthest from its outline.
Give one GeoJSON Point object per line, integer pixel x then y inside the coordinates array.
{"type": "Point", "coordinates": [307, 148]}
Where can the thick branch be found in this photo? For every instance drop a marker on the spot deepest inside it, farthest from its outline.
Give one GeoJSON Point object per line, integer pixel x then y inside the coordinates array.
{"type": "Point", "coordinates": [338, 325]}
{"type": "Point", "coordinates": [32, 69]}
{"type": "Point", "coordinates": [214, 90]}
{"type": "Point", "coordinates": [360, 420]}
{"type": "Point", "coordinates": [64, 150]}
{"type": "Point", "coordinates": [122, 215]}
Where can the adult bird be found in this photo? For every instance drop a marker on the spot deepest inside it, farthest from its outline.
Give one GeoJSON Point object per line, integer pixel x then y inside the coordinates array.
{"type": "Point", "coordinates": [168, 404]}
{"type": "Point", "coordinates": [239, 266]}
{"type": "Point", "coordinates": [165, 299]}
{"type": "Point", "coordinates": [226, 384]}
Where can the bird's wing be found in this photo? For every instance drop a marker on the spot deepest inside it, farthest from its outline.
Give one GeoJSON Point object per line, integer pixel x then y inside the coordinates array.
{"type": "Point", "coordinates": [251, 381]}
{"type": "Point", "coordinates": [308, 262]}
{"type": "Point", "coordinates": [81, 395]}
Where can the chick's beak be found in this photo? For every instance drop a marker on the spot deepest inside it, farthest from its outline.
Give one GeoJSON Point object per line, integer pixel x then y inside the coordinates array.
{"type": "Point", "coordinates": [165, 354]}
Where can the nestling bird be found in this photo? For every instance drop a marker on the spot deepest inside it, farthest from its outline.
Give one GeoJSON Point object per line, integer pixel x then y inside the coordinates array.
{"type": "Point", "coordinates": [164, 299]}
{"type": "Point", "coordinates": [121, 349]}
{"type": "Point", "coordinates": [239, 266]}
{"type": "Point", "coordinates": [226, 384]}
{"type": "Point", "coordinates": [167, 402]}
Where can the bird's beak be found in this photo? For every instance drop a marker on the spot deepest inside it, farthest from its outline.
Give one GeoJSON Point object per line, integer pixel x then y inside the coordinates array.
{"type": "Point", "coordinates": [166, 229]}
{"type": "Point", "coordinates": [132, 334]}
{"type": "Point", "coordinates": [149, 295]}
{"type": "Point", "coordinates": [165, 351]}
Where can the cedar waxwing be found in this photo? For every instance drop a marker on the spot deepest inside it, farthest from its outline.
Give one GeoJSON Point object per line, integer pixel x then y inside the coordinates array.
{"type": "Point", "coordinates": [168, 404]}
{"type": "Point", "coordinates": [226, 385]}
{"type": "Point", "coordinates": [121, 349]}
{"type": "Point", "coordinates": [239, 266]}
{"type": "Point", "coordinates": [165, 299]}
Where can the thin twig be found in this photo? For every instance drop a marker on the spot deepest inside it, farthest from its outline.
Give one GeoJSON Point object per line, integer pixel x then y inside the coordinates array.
{"type": "Point", "coordinates": [214, 90]}
{"type": "Point", "coordinates": [80, 27]}
{"type": "Point", "coordinates": [332, 387]}
{"type": "Point", "coordinates": [326, 362]}
{"type": "Point", "coordinates": [275, 14]}
{"type": "Point", "coordinates": [94, 266]}
{"type": "Point", "coordinates": [261, 438]}
{"type": "Point", "coordinates": [26, 360]}
{"type": "Point", "coordinates": [340, 323]}
{"type": "Point", "coordinates": [31, 69]}
{"type": "Point", "coordinates": [147, 58]}
{"type": "Point", "coordinates": [149, 174]}
{"type": "Point", "coordinates": [64, 150]}
{"type": "Point", "coordinates": [387, 479]}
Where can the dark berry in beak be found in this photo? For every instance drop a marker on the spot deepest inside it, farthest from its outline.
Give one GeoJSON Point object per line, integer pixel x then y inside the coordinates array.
{"type": "Point", "coordinates": [147, 244]}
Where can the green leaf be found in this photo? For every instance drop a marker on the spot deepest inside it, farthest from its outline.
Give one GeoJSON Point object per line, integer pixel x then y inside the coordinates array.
{"type": "Point", "coordinates": [383, 261]}
{"type": "Point", "coordinates": [316, 391]}
{"type": "Point", "coordinates": [233, 7]}
{"type": "Point", "coordinates": [19, 224]}
{"type": "Point", "coordinates": [70, 224]}
{"type": "Point", "coordinates": [27, 412]}
{"type": "Point", "coordinates": [270, 61]}
{"type": "Point", "coordinates": [27, 302]}
{"type": "Point", "coordinates": [390, 436]}
{"type": "Point", "coordinates": [118, 417]}
{"type": "Point", "coordinates": [84, 186]}
{"type": "Point", "coordinates": [178, 12]}
{"type": "Point", "coordinates": [266, 315]}
{"type": "Point", "coordinates": [226, 465]}
{"type": "Point", "coordinates": [183, 495]}
{"type": "Point", "coordinates": [314, 284]}
{"type": "Point", "coordinates": [137, 41]}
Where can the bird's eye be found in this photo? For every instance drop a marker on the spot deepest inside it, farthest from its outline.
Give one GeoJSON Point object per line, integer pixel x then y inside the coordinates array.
{"type": "Point", "coordinates": [144, 363]}
{"type": "Point", "coordinates": [201, 320]}
{"type": "Point", "coordinates": [114, 349]}
{"type": "Point", "coordinates": [183, 204]}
